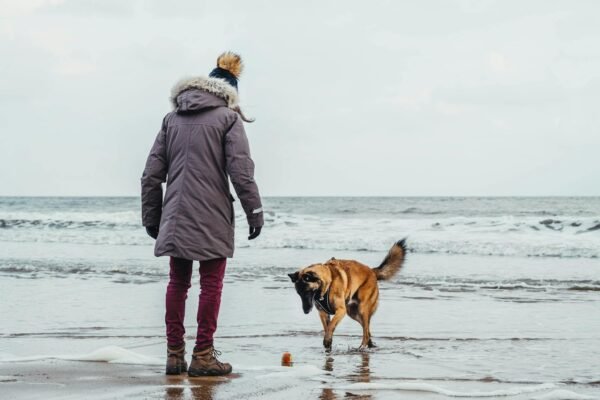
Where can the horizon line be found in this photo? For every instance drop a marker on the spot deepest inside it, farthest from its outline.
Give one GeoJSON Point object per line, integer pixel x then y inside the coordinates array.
{"type": "Point", "coordinates": [322, 196]}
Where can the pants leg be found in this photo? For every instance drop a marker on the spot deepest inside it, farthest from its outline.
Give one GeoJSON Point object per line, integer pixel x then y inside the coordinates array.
{"type": "Point", "coordinates": [211, 287]}
{"type": "Point", "coordinates": [180, 276]}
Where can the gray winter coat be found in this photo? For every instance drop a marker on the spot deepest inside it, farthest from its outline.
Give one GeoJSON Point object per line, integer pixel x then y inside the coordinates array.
{"type": "Point", "coordinates": [201, 142]}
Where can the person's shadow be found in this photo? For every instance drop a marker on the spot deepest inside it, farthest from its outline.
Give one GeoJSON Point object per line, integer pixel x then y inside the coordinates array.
{"type": "Point", "coordinates": [361, 374]}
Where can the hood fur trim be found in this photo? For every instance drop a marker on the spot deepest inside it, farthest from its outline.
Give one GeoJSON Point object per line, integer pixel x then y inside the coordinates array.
{"type": "Point", "coordinates": [216, 86]}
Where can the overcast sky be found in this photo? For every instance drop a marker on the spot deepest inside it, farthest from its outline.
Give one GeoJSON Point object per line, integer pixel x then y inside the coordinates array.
{"type": "Point", "coordinates": [350, 97]}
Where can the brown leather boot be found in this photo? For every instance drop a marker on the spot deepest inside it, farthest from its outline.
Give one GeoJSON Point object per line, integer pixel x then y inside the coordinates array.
{"type": "Point", "coordinates": [176, 360]}
{"type": "Point", "coordinates": [205, 363]}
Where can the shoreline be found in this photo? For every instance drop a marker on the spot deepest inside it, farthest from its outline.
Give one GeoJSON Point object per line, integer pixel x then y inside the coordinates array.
{"type": "Point", "coordinates": [100, 380]}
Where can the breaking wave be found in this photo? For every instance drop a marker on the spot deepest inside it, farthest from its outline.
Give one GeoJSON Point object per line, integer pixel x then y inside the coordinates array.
{"type": "Point", "coordinates": [438, 226]}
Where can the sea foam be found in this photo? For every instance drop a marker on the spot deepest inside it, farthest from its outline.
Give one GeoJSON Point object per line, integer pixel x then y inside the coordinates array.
{"type": "Point", "coordinates": [108, 354]}
{"type": "Point", "coordinates": [562, 394]}
{"type": "Point", "coordinates": [427, 387]}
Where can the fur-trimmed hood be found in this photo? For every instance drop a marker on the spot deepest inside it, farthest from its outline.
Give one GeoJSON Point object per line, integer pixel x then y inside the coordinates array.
{"type": "Point", "coordinates": [216, 86]}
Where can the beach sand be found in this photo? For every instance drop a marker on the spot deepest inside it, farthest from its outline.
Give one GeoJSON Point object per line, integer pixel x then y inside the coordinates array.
{"type": "Point", "coordinates": [67, 379]}
{"type": "Point", "coordinates": [49, 379]}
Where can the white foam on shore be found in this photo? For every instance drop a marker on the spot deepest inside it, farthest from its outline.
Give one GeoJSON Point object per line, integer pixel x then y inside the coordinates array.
{"type": "Point", "coordinates": [426, 387]}
{"type": "Point", "coordinates": [108, 354]}
{"type": "Point", "coordinates": [116, 355]}
{"type": "Point", "coordinates": [562, 394]}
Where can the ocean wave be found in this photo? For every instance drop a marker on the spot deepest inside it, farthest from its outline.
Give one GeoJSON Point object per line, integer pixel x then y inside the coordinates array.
{"type": "Point", "coordinates": [512, 224]}
{"type": "Point", "coordinates": [473, 285]}
{"type": "Point", "coordinates": [418, 244]}
{"type": "Point", "coordinates": [65, 224]}
{"type": "Point", "coordinates": [124, 273]}
{"type": "Point", "coordinates": [521, 236]}
{"type": "Point", "coordinates": [275, 277]}
{"type": "Point", "coordinates": [54, 224]}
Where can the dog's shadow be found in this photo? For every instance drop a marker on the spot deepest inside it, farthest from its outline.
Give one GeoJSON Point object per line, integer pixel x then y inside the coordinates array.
{"type": "Point", "coordinates": [360, 374]}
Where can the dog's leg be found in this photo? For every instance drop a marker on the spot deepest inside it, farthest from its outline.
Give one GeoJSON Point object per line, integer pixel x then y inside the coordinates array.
{"type": "Point", "coordinates": [366, 338]}
{"type": "Point", "coordinates": [367, 308]}
{"type": "Point", "coordinates": [339, 314]}
{"type": "Point", "coordinates": [365, 321]}
{"type": "Point", "coordinates": [324, 319]}
{"type": "Point", "coordinates": [370, 343]}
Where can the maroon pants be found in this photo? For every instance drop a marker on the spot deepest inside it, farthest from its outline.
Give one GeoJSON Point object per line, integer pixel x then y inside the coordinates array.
{"type": "Point", "coordinates": [211, 285]}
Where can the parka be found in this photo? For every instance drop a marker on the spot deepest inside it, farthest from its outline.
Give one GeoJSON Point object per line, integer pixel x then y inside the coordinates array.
{"type": "Point", "coordinates": [200, 146]}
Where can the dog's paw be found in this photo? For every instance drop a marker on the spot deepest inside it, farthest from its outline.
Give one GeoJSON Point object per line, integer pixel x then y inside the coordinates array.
{"type": "Point", "coordinates": [371, 344]}
{"type": "Point", "coordinates": [327, 343]}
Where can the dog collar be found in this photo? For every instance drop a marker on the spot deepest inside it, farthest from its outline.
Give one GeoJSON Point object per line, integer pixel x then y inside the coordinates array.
{"type": "Point", "coordinates": [323, 303]}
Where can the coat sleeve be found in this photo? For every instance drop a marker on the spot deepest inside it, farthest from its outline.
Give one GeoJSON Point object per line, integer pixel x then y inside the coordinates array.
{"type": "Point", "coordinates": [155, 173]}
{"type": "Point", "coordinates": [240, 168]}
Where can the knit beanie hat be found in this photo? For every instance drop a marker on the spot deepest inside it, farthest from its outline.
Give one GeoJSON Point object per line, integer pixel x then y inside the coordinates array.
{"type": "Point", "coordinates": [229, 68]}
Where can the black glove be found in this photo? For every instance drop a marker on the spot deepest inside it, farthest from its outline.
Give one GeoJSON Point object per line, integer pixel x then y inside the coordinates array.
{"type": "Point", "coordinates": [152, 231]}
{"type": "Point", "coordinates": [254, 232]}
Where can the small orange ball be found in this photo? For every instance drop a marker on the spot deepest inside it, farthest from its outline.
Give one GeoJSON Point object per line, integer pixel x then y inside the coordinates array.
{"type": "Point", "coordinates": [286, 359]}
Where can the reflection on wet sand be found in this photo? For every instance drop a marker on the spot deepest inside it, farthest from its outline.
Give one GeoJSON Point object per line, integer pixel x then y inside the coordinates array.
{"type": "Point", "coordinates": [174, 392]}
{"type": "Point", "coordinates": [361, 373]}
{"type": "Point", "coordinates": [199, 388]}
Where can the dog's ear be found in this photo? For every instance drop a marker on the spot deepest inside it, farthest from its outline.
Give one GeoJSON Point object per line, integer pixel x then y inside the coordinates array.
{"type": "Point", "coordinates": [294, 276]}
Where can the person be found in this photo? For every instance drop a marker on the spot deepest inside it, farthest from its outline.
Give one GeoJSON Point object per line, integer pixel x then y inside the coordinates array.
{"type": "Point", "coordinates": [201, 143]}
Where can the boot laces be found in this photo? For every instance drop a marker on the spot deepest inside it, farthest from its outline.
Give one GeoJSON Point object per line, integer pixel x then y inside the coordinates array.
{"type": "Point", "coordinates": [215, 354]}
{"type": "Point", "coordinates": [212, 353]}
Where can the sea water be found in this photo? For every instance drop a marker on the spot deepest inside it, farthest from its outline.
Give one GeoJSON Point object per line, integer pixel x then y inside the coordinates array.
{"type": "Point", "coordinates": [498, 295]}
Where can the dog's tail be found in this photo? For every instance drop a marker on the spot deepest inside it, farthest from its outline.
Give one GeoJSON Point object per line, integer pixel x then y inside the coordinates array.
{"type": "Point", "coordinates": [392, 263]}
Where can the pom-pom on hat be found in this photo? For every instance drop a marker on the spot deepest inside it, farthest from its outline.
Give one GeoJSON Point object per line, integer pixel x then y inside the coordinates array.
{"type": "Point", "coordinates": [229, 68]}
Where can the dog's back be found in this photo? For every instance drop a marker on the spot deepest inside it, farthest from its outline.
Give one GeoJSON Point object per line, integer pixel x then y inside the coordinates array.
{"type": "Point", "coordinates": [351, 275]}
{"type": "Point", "coordinates": [354, 274]}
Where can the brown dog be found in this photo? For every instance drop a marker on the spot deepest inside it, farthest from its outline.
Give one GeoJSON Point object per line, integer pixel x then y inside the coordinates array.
{"type": "Point", "coordinates": [340, 287]}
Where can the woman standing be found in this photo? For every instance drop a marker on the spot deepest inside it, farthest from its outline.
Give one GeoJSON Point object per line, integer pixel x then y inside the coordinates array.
{"type": "Point", "coordinates": [202, 142]}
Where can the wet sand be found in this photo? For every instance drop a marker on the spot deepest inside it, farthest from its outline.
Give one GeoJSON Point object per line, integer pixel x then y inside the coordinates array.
{"type": "Point", "coordinates": [70, 379]}
{"type": "Point", "coordinates": [59, 379]}
{"type": "Point", "coordinates": [98, 380]}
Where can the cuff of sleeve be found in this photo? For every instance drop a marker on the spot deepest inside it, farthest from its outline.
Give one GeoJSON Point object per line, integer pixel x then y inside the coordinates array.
{"type": "Point", "coordinates": [151, 220]}
{"type": "Point", "coordinates": [256, 219]}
